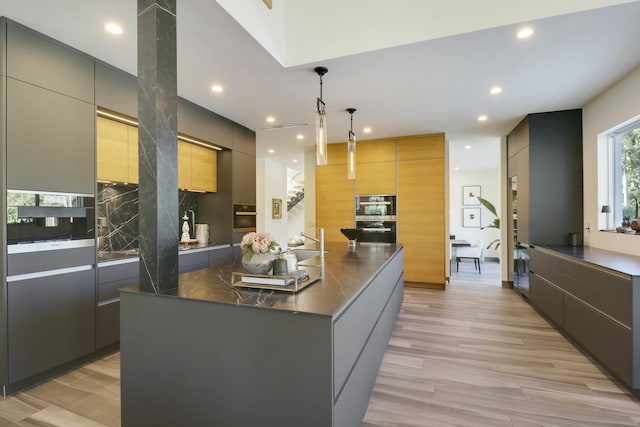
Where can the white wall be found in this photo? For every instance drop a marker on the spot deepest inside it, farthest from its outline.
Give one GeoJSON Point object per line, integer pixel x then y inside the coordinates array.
{"type": "Point", "coordinates": [616, 105]}
{"type": "Point", "coordinates": [271, 183]}
{"type": "Point", "coordinates": [489, 180]}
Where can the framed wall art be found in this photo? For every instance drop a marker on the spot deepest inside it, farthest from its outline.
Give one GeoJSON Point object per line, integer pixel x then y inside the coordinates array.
{"type": "Point", "coordinates": [276, 208]}
{"type": "Point", "coordinates": [469, 195]}
{"type": "Point", "coordinates": [471, 217]}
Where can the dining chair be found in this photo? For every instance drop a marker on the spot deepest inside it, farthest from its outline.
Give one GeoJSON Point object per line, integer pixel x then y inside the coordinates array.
{"type": "Point", "coordinates": [470, 252]}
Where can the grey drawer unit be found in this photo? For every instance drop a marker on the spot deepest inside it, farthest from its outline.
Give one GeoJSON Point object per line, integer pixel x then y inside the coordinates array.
{"type": "Point", "coordinates": [547, 297]}
{"type": "Point", "coordinates": [51, 321]}
{"type": "Point", "coordinates": [30, 262]}
{"type": "Point", "coordinates": [220, 256]}
{"type": "Point", "coordinates": [545, 265]}
{"type": "Point", "coordinates": [190, 261]}
{"type": "Point", "coordinates": [111, 278]}
{"type": "Point", "coordinates": [607, 340]}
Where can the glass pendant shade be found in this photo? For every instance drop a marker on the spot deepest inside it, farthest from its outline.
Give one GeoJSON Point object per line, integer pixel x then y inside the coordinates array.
{"type": "Point", "coordinates": [351, 156]}
{"type": "Point", "coordinates": [321, 139]}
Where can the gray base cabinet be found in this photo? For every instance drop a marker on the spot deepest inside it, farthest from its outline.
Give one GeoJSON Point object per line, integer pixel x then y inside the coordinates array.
{"type": "Point", "coordinates": [51, 321]}
{"type": "Point", "coordinates": [592, 304]}
{"type": "Point", "coordinates": [110, 279]}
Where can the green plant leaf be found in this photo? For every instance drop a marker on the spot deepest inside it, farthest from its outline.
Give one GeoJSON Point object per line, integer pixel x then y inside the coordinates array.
{"type": "Point", "coordinates": [487, 204]}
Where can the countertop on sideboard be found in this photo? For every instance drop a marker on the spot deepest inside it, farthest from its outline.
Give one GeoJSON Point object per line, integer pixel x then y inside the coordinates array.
{"type": "Point", "coordinates": [131, 255]}
{"type": "Point", "coordinates": [616, 261]}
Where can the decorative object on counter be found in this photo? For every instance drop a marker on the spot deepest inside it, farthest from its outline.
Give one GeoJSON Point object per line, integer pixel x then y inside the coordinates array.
{"type": "Point", "coordinates": [185, 229]}
{"type": "Point", "coordinates": [606, 209]}
{"type": "Point", "coordinates": [626, 226]}
{"type": "Point", "coordinates": [276, 208]}
{"type": "Point", "coordinates": [280, 267]}
{"type": "Point", "coordinates": [321, 123]}
{"type": "Point", "coordinates": [352, 234]}
{"type": "Point", "coordinates": [202, 233]}
{"type": "Point", "coordinates": [292, 261]}
{"type": "Point", "coordinates": [293, 282]}
{"type": "Point", "coordinates": [351, 149]}
{"type": "Point", "coordinates": [257, 255]}
{"type": "Point", "coordinates": [470, 194]}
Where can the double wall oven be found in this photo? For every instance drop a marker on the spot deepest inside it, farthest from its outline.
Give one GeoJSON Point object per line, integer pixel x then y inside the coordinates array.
{"type": "Point", "coordinates": [376, 217]}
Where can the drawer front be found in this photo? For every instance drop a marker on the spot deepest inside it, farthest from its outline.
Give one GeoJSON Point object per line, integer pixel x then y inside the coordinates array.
{"type": "Point", "coordinates": [545, 265]}
{"type": "Point", "coordinates": [616, 308]}
{"type": "Point", "coordinates": [351, 330]}
{"type": "Point", "coordinates": [111, 290]}
{"type": "Point", "coordinates": [609, 342]}
{"type": "Point", "coordinates": [108, 324]}
{"type": "Point", "coordinates": [616, 286]}
{"type": "Point", "coordinates": [220, 256]}
{"type": "Point", "coordinates": [192, 261]}
{"type": "Point", "coordinates": [546, 297]}
{"type": "Point", "coordinates": [31, 262]}
{"type": "Point", "coordinates": [114, 273]}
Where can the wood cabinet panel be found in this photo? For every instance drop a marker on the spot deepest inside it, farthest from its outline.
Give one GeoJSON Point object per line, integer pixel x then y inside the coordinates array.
{"type": "Point", "coordinates": [112, 147]}
{"type": "Point", "coordinates": [132, 149]}
{"type": "Point", "coordinates": [335, 201]}
{"type": "Point", "coordinates": [376, 150]}
{"type": "Point", "coordinates": [421, 147]}
{"type": "Point", "coordinates": [376, 178]}
{"type": "Point", "coordinates": [184, 164]}
{"type": "Point", "coordinates": [421, 219]}
{"type": "Point", "coordinates": [337, 154]}
{"type": "Point", "coordinates": [203, 168]}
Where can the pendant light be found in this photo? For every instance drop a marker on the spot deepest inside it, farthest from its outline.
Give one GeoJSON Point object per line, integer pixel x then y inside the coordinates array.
{"type": "Point", "coordinates": [321, 124]}
{"type": "Point", "coordinates": [351, 149]}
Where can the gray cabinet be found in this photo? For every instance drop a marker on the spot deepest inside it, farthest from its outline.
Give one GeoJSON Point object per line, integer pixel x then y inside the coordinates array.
{"type": "Point", "coordinates": [594, 305]}
{"type": "Point", "coordinates": [51, 321]}
{"type": "Point", "coordinates": [112, 277]}
{"type": "Point", "coordinates": [116, 90]}
{"type": "Point", "coordinates": [244, 165]}
{"type": "Point", "coordinates": [198, 122]}
{"type": "Point", "coordinates": [545, 153]}
{"type": "Point", "coordinates": [46, 63]}
{"type": "Point", "coordinates": [190, 261]}
{"type": "Point", "coordinates": [50, 140]}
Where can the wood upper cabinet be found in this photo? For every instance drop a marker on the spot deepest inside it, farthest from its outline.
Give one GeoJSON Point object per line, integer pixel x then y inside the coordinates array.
{"type": "Point", "coordinates": [421, 147]}
{"type": "Point", "coordinates": [184, 165]}
{"type": "Point", "coordinates": [112, 151]}
{"type": "Point", "coordinates": [132, 139]}
{"type": "Point", "coordinates": [376, 167]}
{"type": "Point", "coordinates": [203, 168]}
{"type": "Point", "coordinates": [197, 167]}
{"type": "Point", "coordinates": [335, 201]}
{"type": "Point", "coordinates": [337, 154]}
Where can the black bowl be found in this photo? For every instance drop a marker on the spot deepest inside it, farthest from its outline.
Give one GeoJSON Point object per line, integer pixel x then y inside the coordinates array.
{"type": "Point", "coordinates": [351, 233]}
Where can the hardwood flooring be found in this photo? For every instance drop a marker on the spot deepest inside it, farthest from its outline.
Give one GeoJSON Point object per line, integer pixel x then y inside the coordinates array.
{"type": "Point", "coordinates": [473, 355]}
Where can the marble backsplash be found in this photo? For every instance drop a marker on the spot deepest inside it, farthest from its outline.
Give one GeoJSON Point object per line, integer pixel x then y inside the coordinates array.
{"type": "Point", "coordinates": [117, 215]}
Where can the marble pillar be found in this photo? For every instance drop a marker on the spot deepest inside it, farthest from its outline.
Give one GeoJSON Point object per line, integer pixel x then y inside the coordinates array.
{"type": "Point", "coordinates": [157, 146]}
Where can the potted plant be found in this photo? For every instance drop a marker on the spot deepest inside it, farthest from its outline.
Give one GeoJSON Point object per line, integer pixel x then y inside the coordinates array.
{"type": "Point", "coordinates": [496, 221]}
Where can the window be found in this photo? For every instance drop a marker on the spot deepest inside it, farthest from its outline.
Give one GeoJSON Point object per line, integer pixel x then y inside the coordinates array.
{"type": "Point", "coordinates": [624, 175]}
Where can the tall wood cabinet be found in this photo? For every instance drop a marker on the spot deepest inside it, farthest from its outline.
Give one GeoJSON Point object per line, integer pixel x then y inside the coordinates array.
{"type": "Point", "coordinates": [421, 207]}
{"type": "Point", "coordinates": [410, 167]}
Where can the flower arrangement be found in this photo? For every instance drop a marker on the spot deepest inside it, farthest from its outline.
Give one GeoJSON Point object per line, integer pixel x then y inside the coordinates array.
{"type": "Point", "coordinates": [256, 243]}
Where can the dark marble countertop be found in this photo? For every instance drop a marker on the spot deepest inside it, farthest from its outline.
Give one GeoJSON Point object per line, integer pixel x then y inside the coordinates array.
{"type": "Point", "coordinates": [616, 261]}
{"type": "Point", "coordinates": [105, 256]}
{"type": "Point", "coordinates": [344, 275]}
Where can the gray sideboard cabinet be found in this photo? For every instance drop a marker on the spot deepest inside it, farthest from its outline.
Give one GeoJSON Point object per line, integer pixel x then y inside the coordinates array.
{"type": "Point", "coordinates": [597, 306]}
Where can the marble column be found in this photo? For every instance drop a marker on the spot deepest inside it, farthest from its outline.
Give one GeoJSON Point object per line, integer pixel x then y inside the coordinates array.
{"type": "Point", "coordinates": [158, 146]}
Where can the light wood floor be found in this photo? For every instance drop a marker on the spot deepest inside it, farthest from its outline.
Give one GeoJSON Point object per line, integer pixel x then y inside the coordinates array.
{"type": "Point", "coordinates": [473, 355]}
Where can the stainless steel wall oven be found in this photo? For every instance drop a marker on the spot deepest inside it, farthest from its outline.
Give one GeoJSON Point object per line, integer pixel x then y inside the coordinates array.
{"type": "Point", "coordinates": [244, 218]}
{"type": "Point", "coordinates": [376, 217]}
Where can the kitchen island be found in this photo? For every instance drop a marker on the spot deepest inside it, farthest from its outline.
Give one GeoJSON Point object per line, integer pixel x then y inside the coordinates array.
{"type": "Point", "coordinates": [213, 354]}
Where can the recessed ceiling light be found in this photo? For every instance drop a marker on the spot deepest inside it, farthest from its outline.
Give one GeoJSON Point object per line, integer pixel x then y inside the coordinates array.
{"type": "Point", "coordinates": [300, 136]}
{"type": "Point", "coordinates": [495, 90]}
{"type": "Point", "coordinates": [524, 33]}
{"type": "Point", "coordinates": [482, 118]}
{"type": "Point", "coordinates": [271, 151]}
{"type": "Point", "coordinates": [456, 168]}
{"type": "Point", "coordinates": [113, 28]}
{"type": "Point", "coordinates": [216, 88]}
{"type": "Point", "coordinates": [295, 160]}
{"type": "Point", "coordinates": [271, 119]}
{"type": "Point", "coordinates": [366, 130]}
{"type": "Point", "coordinates": [467, 147]}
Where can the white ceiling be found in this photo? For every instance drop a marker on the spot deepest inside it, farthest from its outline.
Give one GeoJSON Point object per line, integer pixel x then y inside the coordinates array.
{"type": "Point", "coordinates": [437, 85]}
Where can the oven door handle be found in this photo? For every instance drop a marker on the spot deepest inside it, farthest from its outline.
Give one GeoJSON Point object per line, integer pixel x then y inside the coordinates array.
{"type": "Point", "coordinates": [377, 230]}
{"type": "Point", "coordinates": [238, 213]}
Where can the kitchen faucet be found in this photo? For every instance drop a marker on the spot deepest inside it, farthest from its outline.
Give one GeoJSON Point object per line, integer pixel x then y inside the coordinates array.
{"type": "Point", "coordinates": [320, 240]}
